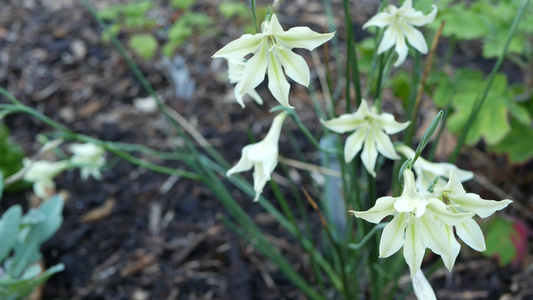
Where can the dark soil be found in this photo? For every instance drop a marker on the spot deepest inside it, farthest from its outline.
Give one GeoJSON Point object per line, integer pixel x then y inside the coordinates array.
{"type": "Point", "coordinates": [164, 238]}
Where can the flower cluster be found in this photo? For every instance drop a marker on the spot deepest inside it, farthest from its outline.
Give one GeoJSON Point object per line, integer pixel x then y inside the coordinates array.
{"type": "Point", "coordinates": [426, 220]}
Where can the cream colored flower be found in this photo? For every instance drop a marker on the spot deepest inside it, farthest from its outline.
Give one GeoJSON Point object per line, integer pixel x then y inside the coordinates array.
{"type": "Point", "coordinates": [401, 22]}
{"type": "Point", "coordinates": [235, 71]}
{"type": "Point", "coordinates": [427, 172]}
{"type": "Point", "coordinates": [272, 49]}
{"type": "Point", "coordinates": [89, 158]}
{"type": "Point", "coordinates": [371, 130]}
{"type": "Point", "coordinates": [416, 223]}
{"type": "Point", "coordinates": [262, 156]}
{"type": "Point", "coordinates": [42, 173]}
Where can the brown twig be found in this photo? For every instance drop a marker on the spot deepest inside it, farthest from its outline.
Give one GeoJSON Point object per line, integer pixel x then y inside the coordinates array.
{"type": "Point", "coordinates": [315, 207]}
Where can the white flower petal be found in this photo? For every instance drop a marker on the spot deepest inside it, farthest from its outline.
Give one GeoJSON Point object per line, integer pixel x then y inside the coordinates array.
{"type": "Point", "coordinates": [383, 143]}
{"type": "Point", "coordinates": [238, 97]}
{"type": "Point", "coordinates": [295, 66]}
{"type": "Point", "coordinates": [413, 248]}
{"type": "Point", "coordinates": [455, 247]}
{"type": "Point", "coordinates": [247, 43]}
{"type": "Point", "coordinates": [415, 38]}
{"type": "Point", "coordinates": [274, 27]}
{"type": "Point", "coordinates": [381, 20]}
{"type": "Point", "coordinates": [481, 207]}
{"type": "Point", "coordinates": [471, 234]}
{"type": "Point", "coordinates": [277, 83]}
{"type": "Point", "coordinates": [382, 208]}
{"type": "Point", "coordinates": [432, 235]}
{"type": "Point", "coordinates": [439, 210]}
{"type": "Point", "coordinates": [354, 143]}
{"type": "Point", "coordinates": [417, 18]}
{"type": "Point", "coordinates": [303, 37]}
{"type": "Point", "coordinates": [344, 123]}
{"type": "Point", "coordinates": [401, 48]}
{"type": "Point", "coordinates": [422, 288]}
{"type": "Point", "coordinates": [244, 164]}
{"type": "Point", "coordinates": [257, 98]}
{"type": "Point", "coordinates": [370, 154]}
{"type": "Point", "coordinates": [392, 236]}
{"type": "Point", "coordinates": [388, 40]}
{"type": "Point", "coordinates": [254, 71]}
{"type": "Point", "coordinates": [387, 122]}
{"type": "Point", "coordinates": [260, 180]}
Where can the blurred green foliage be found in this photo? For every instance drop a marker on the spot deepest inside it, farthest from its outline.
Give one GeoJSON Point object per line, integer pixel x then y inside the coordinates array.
{"type": "Point", "coordinates": [11, 156]}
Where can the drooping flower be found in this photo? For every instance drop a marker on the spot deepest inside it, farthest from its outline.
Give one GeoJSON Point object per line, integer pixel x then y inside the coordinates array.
{"type": "Point", "coordinates": [422, 288]}
{"type": "Point", "coordinates": [272, 49]}
{"type": "Point", "coordinates": [371, 129]}
{"type": "Point", "coordinates": [89, 158]}
{"type": "Point", "coordinates": [262, 156]}
{"type": "Point", "coordinates": [235, 71]}
{"type": "Point", "coordinates": [42, 173]}
{"type": "Point", "coordinates": [427, 172]}
{"type": "Point", "coordinates": [416, 223]}
{"type": "Point", "coordinates": [459, 201]}
{"type": "Point", "coordinates": [401, 22]}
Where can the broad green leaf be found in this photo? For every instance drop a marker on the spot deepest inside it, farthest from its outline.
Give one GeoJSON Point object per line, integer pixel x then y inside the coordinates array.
{"type": "Point", "coordinates": [9, 227]}
{"type": "Point", "coordinates": [11, 156]}
{"type": "Point", "coordinates": [519, 112]}
{"type": "Point", "coordinates": [232, 9]}
{"type": "Point", "coordinates": [136, 9]}
{"type": "Point", "coordinates": [17, 288]}
{"type": "Point", "coordinates": [182, 4]}
{"type": "Point", "coordinates": [516, 144]}
{"type": "Point", "coordinates": [144, 45]}
{"type": "Point", "coordinates": [499, 234]}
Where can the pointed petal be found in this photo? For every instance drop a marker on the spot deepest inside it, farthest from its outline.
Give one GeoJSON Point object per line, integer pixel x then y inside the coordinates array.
{"type": "Point", "coordinates": [453, 189]}
{"type": "Point", "coordinates": [274, 27]}
{"type": "Point", "coordinates": [415, 38]}
{"type": "Point", "coordinates": [277, 83]}
{"type": "Point", "coordinates": [254, 71]}
{"type": "Point", "coordinates": [354, 143]}
{"type": "Point", "coordinates": [247, 43]}
{"type": "Point", "coordinates": [388, 40]}
{"type": "Point", "coordinates": [257, 98]}
{"type": "Point", "coordinates": [260, 180]}
{"type": "Point", "coordinates": [238, 97]}
{"type": "Point", "coordinates": [455, 247]}
{"type": "Point", "coordinates": [294, 65]}
{"type": "Point", "coordinates": [387, 122]}
{"type": "Point", "coordinates": [401, 49]}
{"type": "Point", "coordinates": [471, 234]}
{"type": "Point", "coordinates": [303, 37]}
{"type": "Point", "coordinates": [244, 164]}
{"type": "Point", "coordinates": [483, 208]}
{"type": "Point", "coordinates": [422, 288]}
{"type": "Point", "coordinates": [413, 248]}
{"type": "Point", "coordinates": [370, 154]}
{"type": "Point", "coordinates": [392, 236]}
{"type": "Point", "coordinates": [417, 18]}
{"type": "Point", "coordinates": [383, 143]}
{"type": "Point", "coordinates": [382, 208]}
{"type": "Point", "coordinates": [432, 235]}
{"type": "Point", "coordinates": [381, 20]}
{"type": "Point", "coordinates": [439, 210]}
{"type": "Point", "coordinates": [344, 123]}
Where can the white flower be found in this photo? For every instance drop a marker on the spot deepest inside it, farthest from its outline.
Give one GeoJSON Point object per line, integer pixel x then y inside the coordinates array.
{"type": "Point", "coordinates": [262, 156]}
{"type": "Point", "coordinates": [371, 129]}
{"type": "Point", "coordinates": [401, 21]}
{"type": "Point", "coordinates": [42, 173]}
{"type": "Point", "coordinates": [272, 49]}
{"type": "Point", "coordinates": [458, 201]}
{"type": "Point", "coordinates": [89, 158]}
{"type": "Point", "coordinates": [427, 172]}
{"type": "Point", "coordinates": [415, 226]}
{"type": "Point", "coordinates": [235, 71]}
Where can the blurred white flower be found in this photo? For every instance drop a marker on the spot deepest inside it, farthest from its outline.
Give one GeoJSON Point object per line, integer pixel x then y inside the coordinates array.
{"type": "Point", "coordinates": [416, 223]}
{"type": "Point", "coordinates": [262, 156]}
{"type": "Point", "coordinates": [272, 49]}
{"type": "Point", "coordinates": [422, 288]}
{"type": "Point", "coordinates": [458, 201]}
{"type": "Point", "coordinates": [235, 71]}
{"type": "Point", "coordinates": [371, 129]}
{"type": "Point", "coordinates": [400, 22]}
{"type": "Point", "coordinates": [427, 172]}
{"type": "Point", "coordinates": [89, 158]}
{"type": "Point", "coordinates": [41, 173]}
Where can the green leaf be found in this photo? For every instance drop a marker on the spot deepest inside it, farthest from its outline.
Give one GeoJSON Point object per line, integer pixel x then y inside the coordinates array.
{"type": "Point", "coordinates": [499, 234]}
{"type": "Point", "coordinates": [515, 144]}
{"type": "Point", "coordinates": [519, 112]}
{"type": "Point", "coordinates": [9, 228]}
{"type": "Point", "coordinates": [1, 184]}
{"type": "Point", "coordinates": [427, 135]}
{"type": "Point", "coordinates": [137, 9]}
{"type": "Point", "coordinates": [231, 9]}
{"type": "Point", "coordinates": [182, 4]}
{"type": "Point", "coordinates": [144, 45]}
{"type": "Point", "coordinates": [18, 288]}
{"type": "Point", "coordinates": [11, 156]}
